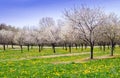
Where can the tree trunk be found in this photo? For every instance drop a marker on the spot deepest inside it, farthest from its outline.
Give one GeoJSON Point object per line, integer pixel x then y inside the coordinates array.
{"type": "Point", "coordinates": [39, 48]}
{"type": "Point", "coordinates": [104, 46]}
{"type": "Point", "coordinates": [53, 47]}
{"type": "Point", "coordinates": [81, 47]}
{"type": "Point", "coordinates": [28, 46]}
{"type": "Point", "coordinates": [4, 47]}
{"type": "Point", "coordinates": [70, 48]}
{"type": "Point", "coordinates": [91, 51]}
{"type": "Point", "coordinates": [85, 46]}
{"type": "Point", "coordinates": [65, 46]}
{"type": "Point", "coordinates": [76, 46]}
{"type": "Point", "coordinates": [112, 47]}
{"type": "Point", "coordinates": [21, 48]}
{"type": "Point", "coordinates": [31, 46]}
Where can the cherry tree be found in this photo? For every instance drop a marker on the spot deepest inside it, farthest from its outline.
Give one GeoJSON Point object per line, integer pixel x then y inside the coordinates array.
{"type": "Point", "coordinates": [19, 39]}
{"type": "Point", "coordinates": [68, 34]}
{"type": "Point", "coordinates": [38, 38]}
{"type": "Point", "coordinates": [86, 20]}
{"type": "Point", "coordinates": [28, 38]}
{"type": "Point", "coordinates": [3, 38]}
{"type": "Point", "coordinates": [110, 30]}
{"type": "Point", "coordinates": [48, 26]}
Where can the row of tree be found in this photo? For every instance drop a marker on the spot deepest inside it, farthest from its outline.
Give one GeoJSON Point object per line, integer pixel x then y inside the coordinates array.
{"type": "Point", "coordinates": [80, 26]}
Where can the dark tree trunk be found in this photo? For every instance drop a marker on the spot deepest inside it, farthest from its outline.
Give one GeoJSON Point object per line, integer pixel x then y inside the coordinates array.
{"type": "Point", "coordinates": [31, 46]}
{"type": "Point", "coordinates": [39, 48]}
{"type": "Point", "coordinates": [81, 47]}
{"type": "Point", "coordinates": [28, 46]}
{"type": "Point", "coordinates": [91, 44]}
{"type": "Point", "coordinates": [76, 46]}
{"type": "Point", "coordinates": [70, 48]}
{"type": "Point", "coordinates": [91, 50]}
{"type": "Point", "coordinates": [104, 46]}
{"type": "Point", "coordinates": [65, 46]}
{"type": "Point", "coordinates": [112, 47]}
{"type": "Point", "coordinates": [85, 46]}
{"type": "Point", "coordinates": [21, 48]}
{"type": "Point", "coordinates": [53, 47]}
{"type": "Point", "coordinates": [4, 47]}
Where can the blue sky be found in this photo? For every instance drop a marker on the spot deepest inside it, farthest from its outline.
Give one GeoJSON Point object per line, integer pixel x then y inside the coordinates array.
{"type": "Point", "coordinates": [21, 13]}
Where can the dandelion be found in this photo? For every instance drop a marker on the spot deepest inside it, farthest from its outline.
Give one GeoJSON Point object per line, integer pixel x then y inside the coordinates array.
{"type": "Point", "coordinates": [34, 75]}
{"type": "Point", "coordinates": [86, 71]}
{"type": "Point", "coordinates": [57, 74]}
{"type": "Point", "coordinates": [33, 63]}
{"type": "Point", "coordinates": [24, 72]}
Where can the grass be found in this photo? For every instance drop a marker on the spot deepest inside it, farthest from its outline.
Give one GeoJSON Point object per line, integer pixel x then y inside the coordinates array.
{"type": "Point", "coordinates": [16, 53]}
{"type": "Point", "coordinates": [107, 68]}
{"type": "Point", "coordinates": [57, 67]}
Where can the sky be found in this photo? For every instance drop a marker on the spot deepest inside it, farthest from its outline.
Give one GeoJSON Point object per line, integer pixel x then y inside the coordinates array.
{"type": "Point", "coordinates": [20, 13]}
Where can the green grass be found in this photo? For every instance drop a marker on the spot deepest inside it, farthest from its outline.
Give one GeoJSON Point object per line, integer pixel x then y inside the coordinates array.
{"type": "Point", "coordinates": [16, 53]}
{"type": "Point", "coordinates": [107, 68]}
{"type": "Point", "coordinates": [13, 66]}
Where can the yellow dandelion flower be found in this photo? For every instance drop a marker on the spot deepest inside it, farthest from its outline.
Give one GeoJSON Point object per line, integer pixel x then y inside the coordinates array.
{"type": "Point", "coordinates": [57, 74]}
{"type": "Point", "coordinates": [86, 71]}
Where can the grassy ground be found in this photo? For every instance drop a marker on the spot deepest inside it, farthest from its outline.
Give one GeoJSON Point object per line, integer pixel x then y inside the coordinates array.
{"type": "Point", "coordinates": [14, 64]}
{"type": "Point", "coordinates": [107, 68]}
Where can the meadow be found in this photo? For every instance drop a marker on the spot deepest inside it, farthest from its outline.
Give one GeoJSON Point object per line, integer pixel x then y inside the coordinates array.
{"type": "Point", "coordinates": [62, 64]}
